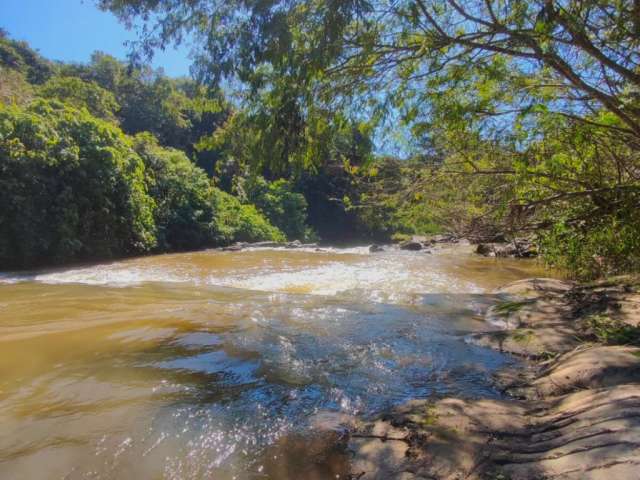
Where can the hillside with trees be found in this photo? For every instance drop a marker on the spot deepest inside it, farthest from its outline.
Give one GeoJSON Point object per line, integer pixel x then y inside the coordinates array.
{"type": "Point", "coordinates": [514, 119]}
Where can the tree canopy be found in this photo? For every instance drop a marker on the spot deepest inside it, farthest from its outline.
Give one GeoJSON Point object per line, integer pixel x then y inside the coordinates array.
{"type": "Point", "coordinates": [543, 96]}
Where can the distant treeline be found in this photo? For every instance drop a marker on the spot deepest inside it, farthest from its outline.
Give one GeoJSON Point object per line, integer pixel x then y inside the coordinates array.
{"type": "Point", "coordinates": [103, 160]}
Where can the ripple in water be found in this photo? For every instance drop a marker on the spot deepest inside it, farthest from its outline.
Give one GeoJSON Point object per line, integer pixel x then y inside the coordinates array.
{"type": "Point", "coordinates": [221, 365]}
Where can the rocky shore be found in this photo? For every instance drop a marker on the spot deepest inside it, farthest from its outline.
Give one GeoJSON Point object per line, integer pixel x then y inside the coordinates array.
{"type": "Point", "coordinates": [572, 413]}
{"type": "Point", "coordinates": [493, 247]}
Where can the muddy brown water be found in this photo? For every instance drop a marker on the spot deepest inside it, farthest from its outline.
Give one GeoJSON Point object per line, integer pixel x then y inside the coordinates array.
{"type": "Point", "coordinates": [213, 364]}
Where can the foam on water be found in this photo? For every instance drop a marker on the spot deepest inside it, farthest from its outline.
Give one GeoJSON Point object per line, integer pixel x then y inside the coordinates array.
{"type": "Point", "coordinates": [392, 277]}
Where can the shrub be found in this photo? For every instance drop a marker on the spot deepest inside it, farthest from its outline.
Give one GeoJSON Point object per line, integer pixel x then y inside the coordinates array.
{"type": "Point", "coordinates": [182, 193]}
{"type": "Point", "coordinates": [81, 94]}
{"type": "Point", "coordinates": [237, 222]}
{"type": "Point", "coordinates": [285, 208]}
{"type": "Point", "coordinates": [71, 188]}
{"type": "Point", "coordinates": [599, 246]}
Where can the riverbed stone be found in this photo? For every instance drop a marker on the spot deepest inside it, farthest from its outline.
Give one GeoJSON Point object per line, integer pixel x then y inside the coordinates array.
{"type": "Point", "coordinates": [411, 245]}
{"type": "Point", "coordinates": [590, 366]}
{"type": "Point", "coordinates": [576, 412]}
{"type": "Point", "coordinates": [518, 248]}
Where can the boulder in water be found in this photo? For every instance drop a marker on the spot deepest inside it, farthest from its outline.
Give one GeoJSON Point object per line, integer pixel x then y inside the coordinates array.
{"type": "Point", "coordinates": [236, 247]}
{"type": "Point", "coordinates": [411, 245]}
{"type": "Point", "coordinates": [519, 248]}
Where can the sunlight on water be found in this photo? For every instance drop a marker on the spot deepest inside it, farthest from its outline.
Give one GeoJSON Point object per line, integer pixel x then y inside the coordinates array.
{"type": "Point", "coordinates": [221, 364]}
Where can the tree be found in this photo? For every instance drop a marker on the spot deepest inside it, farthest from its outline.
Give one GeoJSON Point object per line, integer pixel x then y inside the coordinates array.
{"type": "Point", "coordinates": [506, 77]}
{"type": "Point", "coordinates": [184, 214]}
{"type": "Point", "coordinates": [71, 188]}
{"type": "Point", "coordinates": [81, 94]}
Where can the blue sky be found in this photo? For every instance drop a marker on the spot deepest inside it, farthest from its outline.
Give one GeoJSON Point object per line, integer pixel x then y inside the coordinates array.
{"type": "Point", "coordinates": [70, 30]}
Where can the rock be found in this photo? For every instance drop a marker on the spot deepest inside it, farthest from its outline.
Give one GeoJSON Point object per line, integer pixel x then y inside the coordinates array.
{"type": "Point", "coordinates": [411, 245]}
{"type": "Point", "coordinates": [517, 249]}
{"type": "Point", "coordinates": [294, 244]}
{"type": "Point", "coordinates": [376, 248]}
{"type": "Point", "coordinates": [506, 250]}
{"type": "Point", "coordinates": [586, 367]}
{"type": "Point", "coordinates": [485, 249]}
{"type": "Point", "coordinates": [445, 238]}
{"type": "Point", "coordinates": [236, 247]}
{"type": "Point", "coordinates": [525, 248]}
{"type": "Point", "coordinates": [317, 454]}
{"type": "Point", "coordinates": [575, 416]}
{"type": "Point", "coordinates": [265, 244]}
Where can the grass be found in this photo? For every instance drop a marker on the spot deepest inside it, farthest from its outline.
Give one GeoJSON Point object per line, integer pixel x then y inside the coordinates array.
{"type": "Point", "coordinates": [613, 332]}
{"type": "Point", "coordinates": [522, 336]}
{"type": "Point", "coordinates": [506, 308]}
{"type": "Point", "coordinates": [430, 416]}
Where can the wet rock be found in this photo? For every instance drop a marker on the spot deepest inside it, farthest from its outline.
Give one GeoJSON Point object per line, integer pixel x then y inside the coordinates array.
{"type": "Point", "coordinates": [525, 248]}
{"type": "Point", "coordinates": [376, 248]}
{"type": "Point", "coordinates": [236, 247]}
{"type": "Point", "coordinates": [314, 455]}
{"type": "Point", "coordinates": [299, 244]}
{"type": "Point", "coordinates": [265, 244]}
{"type": "Point", "coordinates": [411, 245]}
{"type": "Point", "coordinates": [379, 451]}
{"type": "Point", "coordinates": [516, 249]}
{"type": "Point", "coordinates": [444, 238]}
{"type": "Point", "coordinates": [485, 249]}
{"type": "Point", "coordinates": [294, 244]}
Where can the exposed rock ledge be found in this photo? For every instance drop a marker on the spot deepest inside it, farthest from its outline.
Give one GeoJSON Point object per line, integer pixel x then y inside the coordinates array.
{"type": "Point", "coordinates": [575, 412]}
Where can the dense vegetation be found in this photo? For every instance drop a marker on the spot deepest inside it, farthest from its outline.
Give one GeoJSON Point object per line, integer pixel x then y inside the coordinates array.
{"type": "Point", "coordinates": [519, 117]}
{"type": "Point", "coordinates": [82, 178]}
{"type": "Point", "coordinates": [357, 119]}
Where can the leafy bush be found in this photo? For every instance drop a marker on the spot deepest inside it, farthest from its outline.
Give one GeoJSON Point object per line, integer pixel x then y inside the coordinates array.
{"type": "Point", "coordinates": [613, 332]}
{"type": "Point", "coordinates": [14, 88]}
{"type": "Point", "coordinates": [237, 222]}
{"type": "Point", "coordinates": [81, 94]}
{"type": "Point", "coordinates": [18, 56]}
{"type": "Point", "coordinates": [285, 208]}
{"type": "Point", "coordinates": [601, 245]}
{"type": "Point", "coordinates": [71, 188]}
{"type": "Point", "coordinates": [184, 214]}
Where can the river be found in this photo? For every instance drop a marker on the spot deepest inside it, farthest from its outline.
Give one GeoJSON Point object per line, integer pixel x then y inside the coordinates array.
{"type": "Point", "coordinates": [201, 365]}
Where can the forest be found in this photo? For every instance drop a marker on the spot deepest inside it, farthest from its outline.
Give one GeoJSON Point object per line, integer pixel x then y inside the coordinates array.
{"type": "Point", "coordinates": [338, 121]}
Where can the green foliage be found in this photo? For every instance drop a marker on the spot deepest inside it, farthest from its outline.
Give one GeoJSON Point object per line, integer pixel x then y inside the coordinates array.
{"type": "Point", "coordinates": [184, 213]}
{"type": "Point", "coordinates": [243, 223]}
{"type": "Point", "coordinates": [613, 332]}
{"type": "Point", "coordinates": [81, 94]}
{"type": "Point", "coordinates": [71, 188]}
{"type": "Point", "coordinates": [19, 57]}
{"type": "Point", "coordinates": [284, 208]}
{"type": "Point", "coordinates": [14, 88]}
{"type": "Point", "coordinates": [530, 111]}
{"type": "Point", "coordinates": [596, 247]}
{"type": "Point", "coordinates": [177, 112]}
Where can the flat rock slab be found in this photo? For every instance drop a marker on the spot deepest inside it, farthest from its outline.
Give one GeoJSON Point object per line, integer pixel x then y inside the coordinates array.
{"type": "Point", "coordinates": [590, 434]}
{"type": "Point", "coordinates": [578, 416]}
{"type": "Point", "coordinates": [587, 367]}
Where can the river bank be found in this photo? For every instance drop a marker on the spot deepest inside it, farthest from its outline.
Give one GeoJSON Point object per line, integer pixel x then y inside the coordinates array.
{"type": "Point", "coordinates": [574, 411]}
